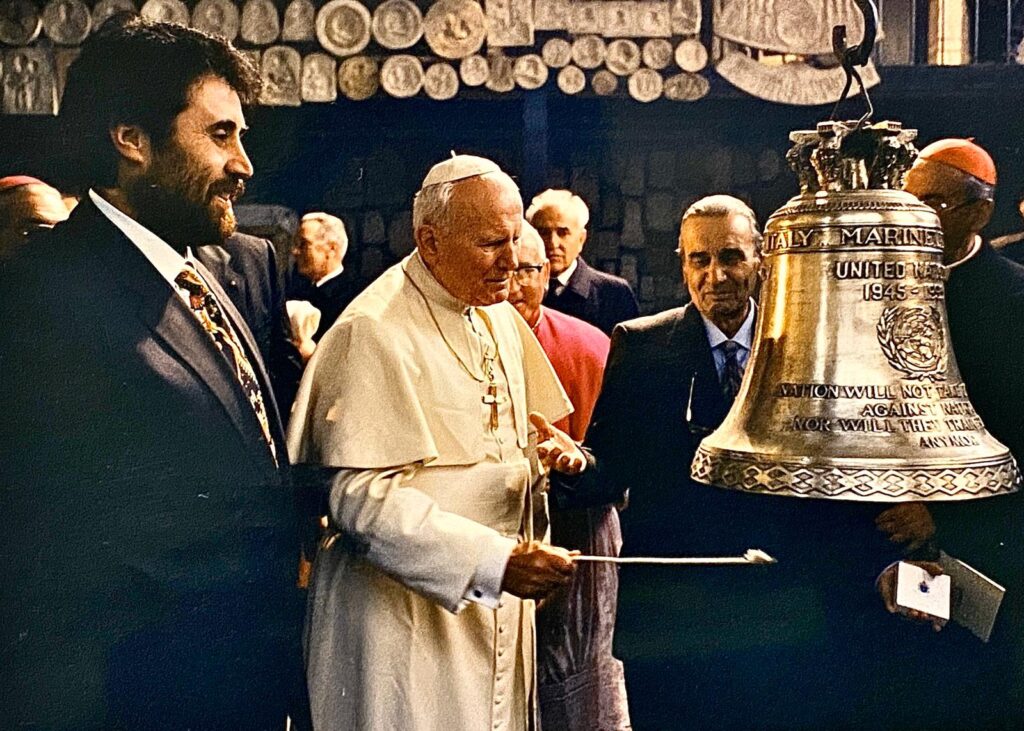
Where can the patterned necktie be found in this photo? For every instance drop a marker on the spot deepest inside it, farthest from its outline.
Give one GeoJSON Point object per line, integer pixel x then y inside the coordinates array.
{"type": "Point", "coordinates": [732, 374]}
{"type": "Point", "coordinates": [204, 306]}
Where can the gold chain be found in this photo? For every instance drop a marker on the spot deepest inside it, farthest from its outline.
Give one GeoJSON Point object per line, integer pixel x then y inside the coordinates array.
{"type": "Point", "coordinates": [488, 369]}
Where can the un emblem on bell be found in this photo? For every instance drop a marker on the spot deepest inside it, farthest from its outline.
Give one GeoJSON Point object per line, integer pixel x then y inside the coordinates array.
{"type": "Point", "coordinates": [852, 391]}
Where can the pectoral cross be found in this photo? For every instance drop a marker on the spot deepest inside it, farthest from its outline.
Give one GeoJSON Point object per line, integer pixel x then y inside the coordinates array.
{"type": "Point", "coordinates": [492, 398]}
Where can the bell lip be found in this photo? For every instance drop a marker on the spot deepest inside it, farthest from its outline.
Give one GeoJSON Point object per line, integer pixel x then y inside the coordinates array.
{"type": "Point", "coordinates": [920, 481]}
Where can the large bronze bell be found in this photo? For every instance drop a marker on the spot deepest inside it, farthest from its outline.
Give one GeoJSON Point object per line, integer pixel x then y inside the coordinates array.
{"type": "Point", "coordinates": [852, 391]}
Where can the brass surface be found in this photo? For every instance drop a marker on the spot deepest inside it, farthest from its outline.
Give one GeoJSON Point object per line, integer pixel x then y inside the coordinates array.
{"type": "Point", "coordinates": [852, 389]}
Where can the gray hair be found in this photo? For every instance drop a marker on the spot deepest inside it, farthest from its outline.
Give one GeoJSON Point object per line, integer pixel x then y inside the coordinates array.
{"type": "Point", "coordinates": [334, 228]}
{"type": "Point", "coordinates": [562, 199]}
{"type": "Point", "coordinates": [431, 204]}
{"type": "Point", "coordinates": [531, 237]}
{"type": "Point", "coordinates": [716, 206]}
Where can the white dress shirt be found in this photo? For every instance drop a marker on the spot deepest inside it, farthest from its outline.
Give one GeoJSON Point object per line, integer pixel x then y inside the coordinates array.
{"type": "Point", "coordinates": [168, 262]}
{"type": "Point", "coordinates": [743, 338]}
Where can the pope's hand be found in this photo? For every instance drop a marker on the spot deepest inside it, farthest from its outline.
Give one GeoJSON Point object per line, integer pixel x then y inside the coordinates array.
{"type": "Point", "coordinates": [555, 449]}
{"type": "Point", "coordinates": [536, 569]}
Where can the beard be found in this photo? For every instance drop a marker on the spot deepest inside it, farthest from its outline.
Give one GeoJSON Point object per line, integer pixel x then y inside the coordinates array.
{"type": "Point", "coordinates": [180, 204]}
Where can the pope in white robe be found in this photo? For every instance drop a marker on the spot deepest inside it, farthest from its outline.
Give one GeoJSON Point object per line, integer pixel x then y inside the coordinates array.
{"type": "Point", "coordinates": [421, 395]}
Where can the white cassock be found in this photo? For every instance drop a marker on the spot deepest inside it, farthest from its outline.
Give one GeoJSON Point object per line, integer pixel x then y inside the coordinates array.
{"type": "Point", "coordinates": [407, 626]}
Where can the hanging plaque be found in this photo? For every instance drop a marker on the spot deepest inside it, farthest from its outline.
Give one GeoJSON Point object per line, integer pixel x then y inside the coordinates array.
{"type": "Point", "coordinates": [551, 14]}
{"type": "Point", "coordinates": [556, 53]}
{"type": "Point", "coordinates": [571, 80]}
{"type": "Point", "coordinates": [217, 17]}
{"type": "Point", "coordinates": [441, 81]}
{"type": "Point", "coordinates": [619, 19]}
{"type": "Point", "coordinates": [299, 21]}
{"type": "Point", "coordinates": [401, 76]}
{"type": "Point", "coordinates": [654, 19]}
{"type": "Point", "coordinates": [474, 70]}
{"type": "Point", "coordinates": [343, 27]}
{"type": "Point", "coordinates": [691, 55]}
{"type": "Point", "coordinates": [585, 16]}
{"type": "Point", "coordinates": [686, 87]}
{"type": "Point", "coordinates": [281, 69]}
{"type": "Point", "coordinates": [502, 78]}
{"type": "Point", "coordinates": [791, 83]}
{"type": "Point", "coordinates": [28, 82]}
{"type": "Point", "coordinates": [588, 52]}
{"type": "Point", "coordinates": [19, 22]}
{"type": "Point", "coordinates": [509, 23]}
{"type": "Point", "coordinates": [623, 57]}
{"type": "Point", "coordinates": [318, 78]}
{"type": "Point", "coordinates": [165, 11]}
{"type": "Point", "coordinates": [105, 9]}
{"type": "Point", "coordinates": [397, 24]}
{"type": "Point", "coordinates": [685, 17]}
{"type": "Point", "coordinates": [260, 24]}
{"type": "Point", "coordinates": [658, 53]}
{"type": "Point", "coordinates": [530, 72]}
{"type": "Point", "coordinates": [604, 82]}
{"type": "Point", "coordinates": [799, 27]}
{"type": "Point", "coordinates": [455, 28]}
{"type": "Point", "coordinates": [646, 85]}
{"type": "Point", "coordinates": [358, 77]}
{"type": "Point", "coordinates": [67, 22]}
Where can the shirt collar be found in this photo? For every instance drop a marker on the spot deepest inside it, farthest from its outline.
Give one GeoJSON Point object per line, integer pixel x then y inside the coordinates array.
{"type": "Point", "coordinates": [160, 254]}
{"type": "Point", "coordinates": [328, 277]}
{"type": "Point", "coordinates": [743, 337]}
{"type": "Point", "coordinates": [431, 288]}
{"type": "Point", "coordinates": [563, 278]}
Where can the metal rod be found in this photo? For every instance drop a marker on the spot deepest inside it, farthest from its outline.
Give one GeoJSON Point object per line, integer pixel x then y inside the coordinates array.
{"type": "Point", "coordinates": [749, 558]}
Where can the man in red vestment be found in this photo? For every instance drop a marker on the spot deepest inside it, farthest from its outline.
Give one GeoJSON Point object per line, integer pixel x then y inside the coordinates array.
{"type": "Point", "coordinates": [581, 684]}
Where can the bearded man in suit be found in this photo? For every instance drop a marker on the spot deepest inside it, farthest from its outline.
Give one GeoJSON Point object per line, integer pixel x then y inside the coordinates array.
{"type": "Point", "coordinates": [149, 532]}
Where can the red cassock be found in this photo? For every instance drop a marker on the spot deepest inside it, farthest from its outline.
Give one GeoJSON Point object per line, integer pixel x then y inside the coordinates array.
{"type": "Point", "coordinates": [578, 352]}
{"type": "Point", "coordinates": [582, 686]}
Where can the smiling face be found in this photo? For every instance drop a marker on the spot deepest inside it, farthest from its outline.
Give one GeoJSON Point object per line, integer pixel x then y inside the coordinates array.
{"type": "Point", "coordinates": [720, 265]}
{"type": "Point", "coordinates": [472, 252]}
{"type": "Point", "coordinates": [187, 190]}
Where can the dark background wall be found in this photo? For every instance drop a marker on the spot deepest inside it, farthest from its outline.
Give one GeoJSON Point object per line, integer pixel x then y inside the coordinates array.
{"type": "Point", "coordinates": [636, 165]}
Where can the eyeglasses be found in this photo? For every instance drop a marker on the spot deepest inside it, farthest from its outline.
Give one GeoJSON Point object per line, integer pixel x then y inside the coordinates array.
{"type": "Point", "coordinates": [940, 206]}
{"type": "Point", "coordinates": [526, 271]}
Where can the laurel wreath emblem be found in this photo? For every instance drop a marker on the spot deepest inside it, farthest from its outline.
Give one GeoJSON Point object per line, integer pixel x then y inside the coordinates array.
{"type": "Point", "coordinates": [912, 341]}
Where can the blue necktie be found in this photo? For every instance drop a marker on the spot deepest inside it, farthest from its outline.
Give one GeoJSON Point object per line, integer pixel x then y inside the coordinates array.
{"type": "Point", "coordinates": [732, 374]}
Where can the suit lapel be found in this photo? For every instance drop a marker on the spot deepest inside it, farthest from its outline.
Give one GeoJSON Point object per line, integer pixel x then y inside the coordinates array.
{"type": "Point", "coordinates": [707, 407]}
{"type": "Point", "coordinates": [581, 280]}
{"type": "Point", "coordinates": [163, 312]}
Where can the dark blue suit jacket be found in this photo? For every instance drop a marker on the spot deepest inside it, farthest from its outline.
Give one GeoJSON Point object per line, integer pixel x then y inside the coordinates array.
{"type": "Point", "coordinates": [148, 542]}
{"type": "Point", "coordinates": [246, 267]}
{"type": "Point", "coordinates": [601, 299]}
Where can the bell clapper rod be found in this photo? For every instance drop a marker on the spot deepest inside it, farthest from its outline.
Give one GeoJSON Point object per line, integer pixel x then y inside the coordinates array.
{"type": "Point", "coordinates": [851, 56]}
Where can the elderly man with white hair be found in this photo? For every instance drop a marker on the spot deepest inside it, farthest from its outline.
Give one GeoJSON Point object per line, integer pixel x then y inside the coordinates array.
{"type": "Point", "coordinates": [575, 288]}
{"type": "Point", "coordinates": [319, 250]}
{"type": "Point", "coordinates": [431, 401]}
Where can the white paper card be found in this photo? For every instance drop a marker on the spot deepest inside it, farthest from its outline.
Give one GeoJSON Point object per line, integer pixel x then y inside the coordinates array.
{"type": "Point", "coordinates": [917, 589]}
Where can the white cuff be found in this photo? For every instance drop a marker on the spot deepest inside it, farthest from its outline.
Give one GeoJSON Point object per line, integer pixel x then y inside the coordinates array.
{"type": "Point", "coordinates": [485, 588]}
